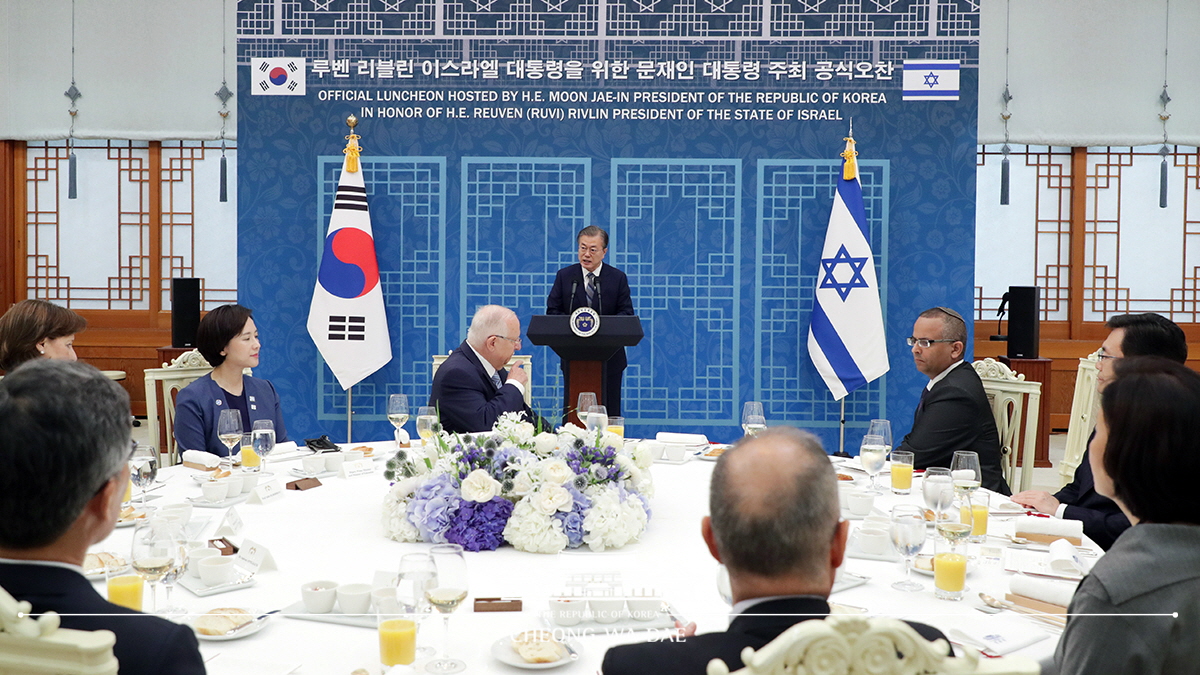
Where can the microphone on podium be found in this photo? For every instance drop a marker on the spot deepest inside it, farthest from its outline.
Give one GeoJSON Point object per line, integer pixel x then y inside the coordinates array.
{"type": "Point", "coordinates": [574, 285]}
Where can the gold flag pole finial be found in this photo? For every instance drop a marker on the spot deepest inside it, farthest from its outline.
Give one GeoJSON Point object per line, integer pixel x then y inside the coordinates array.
{"type": "Point", "coordinates": [353, 149]}
{"type": "Point", "coordinates": [850, 168]}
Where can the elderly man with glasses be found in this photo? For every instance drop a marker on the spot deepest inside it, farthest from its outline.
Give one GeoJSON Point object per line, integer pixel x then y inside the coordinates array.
{"type": "Point", "coordinates": [953, 413]}
{"type": "Point", "coordinates": [472, 389]}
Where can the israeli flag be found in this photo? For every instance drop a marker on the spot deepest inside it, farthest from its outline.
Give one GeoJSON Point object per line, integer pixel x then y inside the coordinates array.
{"type": "Point", "coordinates": [846, 339]}
{"type": "Point", "coordinates": [927, 80]}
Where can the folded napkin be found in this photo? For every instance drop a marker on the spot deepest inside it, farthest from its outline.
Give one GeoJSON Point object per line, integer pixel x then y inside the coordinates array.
{"type": "Point", "coordinates": [1046, 530]}
{"type": "Point", "coordinates": [998, 634]}
{"type": "Point", "coordinates": [1050, 591]}
{"type": "Point", "coordinates": [681, 439]}
{"type": "Point", "coordinates": [199, 459]}
{"type": "Point", "coordinates": [1065, 559]}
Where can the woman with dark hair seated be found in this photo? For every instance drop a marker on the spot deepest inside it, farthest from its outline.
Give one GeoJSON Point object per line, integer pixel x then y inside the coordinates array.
{"type": "Point", "coordinates": [36, 329]}
{"type": "Point", "coordinates": [228, 339]}
{"type": "Point", "coordinates": [1138, 611]}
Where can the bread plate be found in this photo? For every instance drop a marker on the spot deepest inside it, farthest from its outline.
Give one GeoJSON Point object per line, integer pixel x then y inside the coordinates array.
{"type": "Point", "coordinates": [256, 624]}
{"type": "Point", "coordinates": [504, 652]}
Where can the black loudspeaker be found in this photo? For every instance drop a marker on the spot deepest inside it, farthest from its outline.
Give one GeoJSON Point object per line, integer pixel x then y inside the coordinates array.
{"type": "Point", "coordinates": [185, 311]}
{"type": "Point", "coordinates": [1024, 305]}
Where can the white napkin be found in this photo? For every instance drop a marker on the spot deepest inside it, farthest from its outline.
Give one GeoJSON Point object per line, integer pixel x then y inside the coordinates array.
{"type": "Point", "coordinates": [1047, 590]}
{"type": "Point", "coordinates": [681, 439]}
{"type": "Point", "coordinates": [1000, 634]}
{"type": "Point", "coordinates": [202, 458]}
{"type": "Point", "coordinates": [1065, 559]}
{"type": "Point", "coordinates": [1051, 526]}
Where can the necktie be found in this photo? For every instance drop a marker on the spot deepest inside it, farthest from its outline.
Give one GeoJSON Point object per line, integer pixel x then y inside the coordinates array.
{"type": "Point", "coordinates": [921, 403]}
{"type": "Point", "coordinates": [496, 380]}
{"type": "Point", "coordinates": [591, 288]}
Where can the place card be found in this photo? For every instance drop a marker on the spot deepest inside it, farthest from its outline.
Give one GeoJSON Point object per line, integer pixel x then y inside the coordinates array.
{"type": "Point", "coordinates": [266, 492]}
{"type": "Point", "coordinates": [254, 557]}
{"type": "Point", "coordinates": [304, 484]}
{"type": "Point", "coordinates": [223, 545]}
{"type": "Point", "coordinates": [230, 525]}
{"type": "Point", "coordinates": [497, 604]}
{"type": "Point", "coordinates": [362, 467]}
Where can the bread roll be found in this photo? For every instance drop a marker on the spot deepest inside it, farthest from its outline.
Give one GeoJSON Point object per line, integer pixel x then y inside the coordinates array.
{"type": "Point", "coordinates": [537, 646]}
{"type": "Point", "coordinates": [222, 620]}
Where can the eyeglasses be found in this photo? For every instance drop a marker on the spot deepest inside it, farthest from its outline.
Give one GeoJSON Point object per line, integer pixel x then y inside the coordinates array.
{"type": "Point", "coordinates": [516, 342]}
{"type": "Point", "coordinates": [925, 343]}
{"type": "Point", "coordinates": [1102, 356]}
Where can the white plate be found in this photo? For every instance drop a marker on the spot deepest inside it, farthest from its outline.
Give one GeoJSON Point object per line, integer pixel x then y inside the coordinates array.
{"type": "Point", "coordinates": [299, 473]}
{"type": "Point", "coordinates": [203, 477]}
{"type": "Point", "coordinates": [503, 651]}
{"type": "Point", "coordinates": [298, 611]}
{"type": "Point", "coordinates": [99, 574]}
{"type": "Point", "coordinates": [197, 588]}
{"type": "Point", "coordinates": [130, 522]}
{"type": "Point", "coordinates": [202, 503]}
{"type": "Point", "coordinates": [929, 573]}
{"type": "Point", "coordinates": [245, 631]}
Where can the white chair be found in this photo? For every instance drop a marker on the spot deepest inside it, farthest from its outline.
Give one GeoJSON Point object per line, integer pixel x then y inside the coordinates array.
{"type": "Point", "coordinates": [182, 371]}
{"type": "Point", "coordinates": [29, 647]}
{"type": "Point", "coordinates": [522, 359]}
{"type": "Point", "coordinates": [841, 645]}
{"type": "Point", "coordinates": [1012, 399]}
{"type": "Point", "coordinates": [1083, 417]}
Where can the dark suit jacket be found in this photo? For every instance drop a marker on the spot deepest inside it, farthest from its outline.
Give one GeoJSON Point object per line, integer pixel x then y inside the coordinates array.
{"type": "Point", "coordinates": [755, 628]}
{"type": "Point", "coordinates": [614, 297]}
{"type": "Point", "coordinates": [955, 415]}
{"type": "Point", "coordinates": [146, 645]}
{"type": "Point", "coordinates": [467, 399]}
{"type": "Point", "coordinates": [1103, 520]}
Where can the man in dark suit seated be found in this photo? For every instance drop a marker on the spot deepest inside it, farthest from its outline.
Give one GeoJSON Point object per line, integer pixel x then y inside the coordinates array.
{"type": "Point", "coordinates": [775, 525]}
{"type": "Point", "coordinates": [471, 388]}
{"type": "Point", "coordinates": [1103, 521]}
{"type": "Point", "coordinates": [64, 446]}
{"type": "Point", "coordinates": [604, 288]}
{"type": "Point", "coordinates": [954, 413]}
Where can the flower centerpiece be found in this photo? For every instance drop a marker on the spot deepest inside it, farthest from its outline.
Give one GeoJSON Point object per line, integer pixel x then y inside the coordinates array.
{"type": "Point", "coordinates": [539, 492]}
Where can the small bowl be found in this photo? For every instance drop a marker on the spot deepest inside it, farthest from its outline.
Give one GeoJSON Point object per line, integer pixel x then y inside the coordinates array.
{"type": "Point", "coordinates": [319, 596]}
{"type": "Point", "coordinates": [644, 609]}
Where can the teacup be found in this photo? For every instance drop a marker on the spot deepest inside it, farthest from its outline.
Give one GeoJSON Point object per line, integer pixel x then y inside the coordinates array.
{"type": "Point", "coordinates": [217, 570]}
{"type": "Point", "coordinates": [235, 485]}
{"type": "Point", "coordinates": [644, 609]}
{"type": "Point", "coordinates": [606, 610]}
{"type": "Point", "coordinates": [319, 596]}
{"type": "Point", "coordinates": [873, 541]}
{"type": "Point", "coordinates": [214, 490]}
{"type": "Point", "coordinates": [249, 481]}
{"type": "Point", "coordinates": [313, 465]}
{"type": "Point", "coordinates": [334, 461]}
{"type": "Point", "coordinates": [384, 601]}
{"type": "Point", "coordinates": [877, 522]}
{"type": "Point", "coordinates": [676, 452]}
{"type": "Point", "coordinates": [195, 555]}
{"type": "Point", "coordinates": [353, 455]}
{"type": "Point", "coordinates": [860, 502]}
{"type": "Point", "coordinates": [354, 598]}
{"type": "Point", "coordinates": [656, 450]}
{"type": "Point", "coordinates": [181, 513]}
{"type": "Point", "coordinates": [567, 611]}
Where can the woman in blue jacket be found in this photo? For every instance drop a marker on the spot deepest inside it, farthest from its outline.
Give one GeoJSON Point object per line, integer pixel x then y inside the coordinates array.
{"type": "Point", "coordinates": [228, 339]}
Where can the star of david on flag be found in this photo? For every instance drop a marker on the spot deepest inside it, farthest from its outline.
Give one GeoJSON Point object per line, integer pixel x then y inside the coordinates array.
{"type": "Point", "coordinates": [846, 340]}
{"type": "Point", "coordinates": [347, 319]}
{"type": "Point", "coordinates": [930, 80]}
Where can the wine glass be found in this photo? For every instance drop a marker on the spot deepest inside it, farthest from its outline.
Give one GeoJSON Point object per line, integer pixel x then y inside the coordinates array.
{"type": "Point", "coordinates": [177, 570]}
{"type": "Point", "coordinates": [156, 545]}
{"type": "Point", "coordinates": [938, 489]}
{"type": "Point", "coordinates": [417, 575]}
{"type": "Point", "coordinates": [229, 428]}
{"type": "Point", "coordinates": [263, 440]}
{"type": "Point", "coordinates": [397, 413]}
{"type": "Point", "coordinates": [908, 536]}
{"type": "Point", "coordinates": [446, 592]}
{"type": "Point", "coordinates": [882, 428]}
{"type": "Point", "coordinates": [964, 468]}
{"type": "Point", "coordinates": [872, 454]}
{"type": "Point", "coordinates": [143, 468]}
{"type": "Point", "coordinates": [587, 399]}
{"type": "Point", "coordinates": [753, 421]}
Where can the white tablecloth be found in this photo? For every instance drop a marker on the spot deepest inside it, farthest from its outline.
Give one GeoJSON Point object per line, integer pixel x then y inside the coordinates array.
{"type": "Point", "coordinates": [333, 532]}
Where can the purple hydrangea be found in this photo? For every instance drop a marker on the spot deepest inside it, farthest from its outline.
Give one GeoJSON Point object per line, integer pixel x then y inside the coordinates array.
{"type": "Point", "coordinates": [432, 507]}
{"type": "Point", "coordinates": [480, 527]}
{"type": "Point", "coordinates": [572, 524]}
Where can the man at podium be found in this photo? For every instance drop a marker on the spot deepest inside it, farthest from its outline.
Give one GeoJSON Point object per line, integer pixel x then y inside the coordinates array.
{"type": "Point", "coordinates": [604, 288]}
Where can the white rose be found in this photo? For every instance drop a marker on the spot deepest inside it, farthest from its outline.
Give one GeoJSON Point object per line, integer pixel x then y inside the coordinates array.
{"type": "Point", "coordinates": [556, 471]}
{"type": "Point", "coordinates": [551, 498]}
{"type": "Point", "coordinates": [478, 486]}
{"type": "Point", "coordinates": [642, 456]}
{"type": "Point", "coordinates": [544, 444]}
{"type": "Point", "coordinates": [528, 530]}
{"type": "Point", "coordinates": [612, 440]}
{"type": "Point", "coordinates": [523, 484]}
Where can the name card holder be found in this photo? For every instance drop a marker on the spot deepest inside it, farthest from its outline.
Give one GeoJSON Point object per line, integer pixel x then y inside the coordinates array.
{"type": "Point", "coordinates": [266, 492]}
{"type": "Point", "coordinates": [230, 525]}
{"type": "Point", "coordinates": [363, 467]}
{"type": "Point", "coordinates": [254, 557]}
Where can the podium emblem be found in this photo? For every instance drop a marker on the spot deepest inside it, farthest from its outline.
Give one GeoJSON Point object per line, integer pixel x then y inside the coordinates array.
{"type": "Point", "coordinates": [585, 321]}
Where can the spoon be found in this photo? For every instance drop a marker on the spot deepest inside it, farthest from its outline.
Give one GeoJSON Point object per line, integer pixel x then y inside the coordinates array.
{"type": "Point", "coordinates": [1041, 616]}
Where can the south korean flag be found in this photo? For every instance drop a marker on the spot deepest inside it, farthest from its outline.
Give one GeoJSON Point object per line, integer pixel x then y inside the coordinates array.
{"type": "Point", "coordinates": [283, 76]}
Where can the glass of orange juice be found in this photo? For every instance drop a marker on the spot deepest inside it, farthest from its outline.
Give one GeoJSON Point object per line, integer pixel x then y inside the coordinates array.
{"type": "Point", "coordinates": [250, 459]}
{"type": "Point", "coordinates": [397, 639]}
{"type": "Point", "coordinates": [124, 586]}
{"type": "Point", "coordinates": [902, 472]}
{"type": "Point", "coordinates": [949, 570]}
{"type": "Point", "coordinates": [980, 501]}
{"type": "Point", "coordinates": [616, 425]}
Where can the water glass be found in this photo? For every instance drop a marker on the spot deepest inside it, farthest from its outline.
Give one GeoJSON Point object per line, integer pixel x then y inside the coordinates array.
{"type": "Point", "coordinates": [908, 536]}
{"type": "Point", "coordinates": [873, 454]}
{"type": "Point", "coordinates": [426, 418]}
{"type": "Point", "coordinates": [754, 422]}
{"type": "Point", "coordinates": [938, 489]}
{"type": "Point", "coordinates": [263, 440]}
{"type": "Point", "coordinates": [597, 418]}
{"type": "Point", "coordinates": [964, 468]}
{"type": "Point", "coordinates": [143, 468]}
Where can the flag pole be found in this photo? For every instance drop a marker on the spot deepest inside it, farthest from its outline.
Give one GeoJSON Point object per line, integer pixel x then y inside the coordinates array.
{"type": "Point", "coordinates": [350, 413]}
{"type": "Point", "coordinates": [842, 429]}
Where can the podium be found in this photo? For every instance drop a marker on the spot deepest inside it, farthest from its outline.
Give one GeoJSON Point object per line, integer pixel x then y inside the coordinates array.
{"type": "Point", "coordinates": [583, 358]}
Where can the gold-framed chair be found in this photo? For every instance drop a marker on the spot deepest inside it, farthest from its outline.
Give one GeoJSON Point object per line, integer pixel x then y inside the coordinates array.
{"type": "Point", "coordinates": [1014, 400]}
{"type": "Point", "coordinates": [842, 644]}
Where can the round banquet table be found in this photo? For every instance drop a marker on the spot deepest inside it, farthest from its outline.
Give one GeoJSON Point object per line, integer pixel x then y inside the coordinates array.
{"type": "Point", "coordinates": [334, 532]}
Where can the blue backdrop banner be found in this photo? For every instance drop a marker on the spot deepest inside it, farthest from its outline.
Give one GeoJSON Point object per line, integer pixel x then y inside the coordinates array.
{"type": "Point", "coordinates": [704, 136]}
